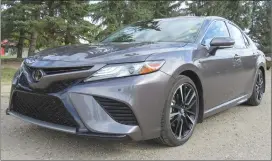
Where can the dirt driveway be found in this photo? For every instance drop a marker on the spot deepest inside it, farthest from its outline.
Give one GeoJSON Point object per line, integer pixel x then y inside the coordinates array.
{"type": "Point", "coordinates": [243, 132]}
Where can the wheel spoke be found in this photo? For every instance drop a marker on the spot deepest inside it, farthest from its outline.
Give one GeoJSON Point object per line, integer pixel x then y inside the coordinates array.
{"type": "Point", "coordinates": [260, 94]}
{"type": "Point", "coordinates": [260, 83]}
{"type": "Point", "coordinates": [187, 124]}
{"type": "Point", "coordinates": [191, 105]}
{"type": "Point", "coordinates": [180, 129]}
{"type": "Point", "coordinates": [177, 126]}
{"type": "Point", "coordinates": [173, 120]}
{"type": "Point", "coordinates": [190, 100]}
{"type": "Point", "coordinates": [191, 119]}
{"type": "Point", "coordinates": [181, 94]}
{"type": "Point", "coordinates": [172, 115]}
{"type": "Point", "coordinates": [176, 107]}
{"type": "Point", "coordinates": [257, 87]}
{"type": "Point", "coordinates": [190, 112]}
{"type": "Point", "coordinates": [186, 97]}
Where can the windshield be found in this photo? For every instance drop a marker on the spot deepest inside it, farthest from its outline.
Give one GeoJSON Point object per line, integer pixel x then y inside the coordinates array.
{"type": "Point", "coordinates": [165, 30]}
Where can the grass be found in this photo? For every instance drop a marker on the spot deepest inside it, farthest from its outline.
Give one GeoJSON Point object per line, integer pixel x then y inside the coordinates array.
{"type": "Point", "coordinates": [8, 57]}
{"type": "Point", "coordinates": [7, 74]}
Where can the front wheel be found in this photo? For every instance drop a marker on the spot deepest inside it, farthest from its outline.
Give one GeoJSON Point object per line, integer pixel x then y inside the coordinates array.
{"type": "Point", "coordinates": [258, 90]}
{"type": "Point", "coordinates": [180, 113]}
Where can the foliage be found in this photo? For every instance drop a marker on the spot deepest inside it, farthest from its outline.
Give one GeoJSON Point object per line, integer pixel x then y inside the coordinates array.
{"type": "Point", "coordinates": [261, 24]}
{"type": "Point", "coordinates": [7, 74]}
{"type": "Point", "coordinates": [42, 23]}
{"type": "Point", "coordinates": [254, 16]}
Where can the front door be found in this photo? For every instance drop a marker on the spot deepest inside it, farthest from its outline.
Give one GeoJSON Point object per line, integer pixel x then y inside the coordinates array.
{"type": "Point", "coordinates": [245, 60]}
{"type": "Point", "coordinates": [218, 70]}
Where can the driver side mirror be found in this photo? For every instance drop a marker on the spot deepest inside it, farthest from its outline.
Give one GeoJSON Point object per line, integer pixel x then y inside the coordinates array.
{"type": "Point", "coordinates": [220, 43]}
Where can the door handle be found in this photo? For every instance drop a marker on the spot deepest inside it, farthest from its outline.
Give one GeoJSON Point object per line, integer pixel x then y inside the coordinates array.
{"type": "Point", "coordinates": [237, 57]}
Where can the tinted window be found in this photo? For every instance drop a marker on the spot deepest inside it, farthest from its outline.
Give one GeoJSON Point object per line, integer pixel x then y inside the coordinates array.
{"type": "Point", "coordinates": [216, 29]}
{"type": "Point", "coordinates": [237, 36]}
{"type": "Point", "coordinates": [246, 40]}
{"type": "Point", "coordinates": [165, 30]}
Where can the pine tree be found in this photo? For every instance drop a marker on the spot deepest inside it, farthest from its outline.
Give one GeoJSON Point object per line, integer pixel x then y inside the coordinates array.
{"type": "Point", "coordinates": [236, 11]}
{"type": "Point", "coordinates": [260, 29]}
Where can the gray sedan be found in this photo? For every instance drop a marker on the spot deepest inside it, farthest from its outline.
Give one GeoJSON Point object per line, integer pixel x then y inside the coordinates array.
{"type": "Point", "coordinates": [153, 79]}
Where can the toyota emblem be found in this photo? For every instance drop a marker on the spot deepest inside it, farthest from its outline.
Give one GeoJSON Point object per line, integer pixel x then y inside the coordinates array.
{"type": "Point", "coordinates": [37, 75]}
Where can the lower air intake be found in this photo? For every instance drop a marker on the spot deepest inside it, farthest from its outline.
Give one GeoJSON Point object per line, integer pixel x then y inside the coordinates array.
{"type": "Point", "coordinates": [42, 107]}
{"type": "Point", "coordinates": [119, 111]}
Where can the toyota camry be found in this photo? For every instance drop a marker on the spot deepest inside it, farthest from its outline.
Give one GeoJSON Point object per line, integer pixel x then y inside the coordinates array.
{"type": "Point", "coordinates": [151, 80]}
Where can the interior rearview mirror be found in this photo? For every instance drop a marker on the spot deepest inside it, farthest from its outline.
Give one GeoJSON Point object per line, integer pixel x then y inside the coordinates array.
{"type": "Point", "coordinates": [220, 43]}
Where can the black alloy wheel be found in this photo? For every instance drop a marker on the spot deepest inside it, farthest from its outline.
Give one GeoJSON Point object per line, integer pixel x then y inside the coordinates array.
{"type": "Point", "coordinates": [183, 110]}
{"type": "Point", "coordinates": [180, 114]}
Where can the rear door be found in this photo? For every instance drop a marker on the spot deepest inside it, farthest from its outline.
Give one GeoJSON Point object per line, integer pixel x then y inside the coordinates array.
{"type": "Point", "coordinates": [218, 70]}
{"type": "Point", "coordinates": [249, 60]}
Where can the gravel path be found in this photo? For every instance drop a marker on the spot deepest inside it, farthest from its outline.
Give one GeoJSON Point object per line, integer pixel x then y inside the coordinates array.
{"type": "Point", "coordinates": [243, 132]}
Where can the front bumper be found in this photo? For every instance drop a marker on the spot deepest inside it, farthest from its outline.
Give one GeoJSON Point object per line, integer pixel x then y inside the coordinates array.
{"type": "Point", "coordinates": [145, 95]}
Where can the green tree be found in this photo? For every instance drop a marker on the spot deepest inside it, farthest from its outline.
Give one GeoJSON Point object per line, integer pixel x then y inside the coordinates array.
{"type": "Point", "coordinates": [112, 15]}
{"type": "Point", "coordinates": [163, 9]}
{"type": "Point", "coordinates": [260, 29]}
{"type": "Point", "coordinates": [109, 14]}
{"type": "Point", "coordinates": [43, 23]}
{"type": "Point", "coordinates": [13, 26]}
{"type": "Point", "coordinates": [236, 11]}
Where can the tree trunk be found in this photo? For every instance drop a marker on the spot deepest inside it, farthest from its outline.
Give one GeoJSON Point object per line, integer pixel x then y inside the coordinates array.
{"type": "Point", "coordinates": [20, 44]}
{"type": "Point", "coordinates": [34, 35]}
{"type": "Point", "coordinates": [67, 38]}
{"type": "Point", "coordinates": [32, 45]}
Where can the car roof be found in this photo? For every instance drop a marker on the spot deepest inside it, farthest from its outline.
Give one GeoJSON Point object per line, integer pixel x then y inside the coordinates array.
{"type": "Point", "coordinates": [194, 17]}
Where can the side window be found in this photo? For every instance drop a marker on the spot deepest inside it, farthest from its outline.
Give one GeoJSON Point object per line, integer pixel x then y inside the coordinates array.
{"type": "Point", "coordinates": [238, 37]}
{"type": "Point", "coordinates": [216, 29]}
{"type": "Point", "coordinates": [246, 40]}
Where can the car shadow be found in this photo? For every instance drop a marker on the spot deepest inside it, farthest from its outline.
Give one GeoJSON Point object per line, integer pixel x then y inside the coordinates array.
{"type": "Point", "coordinates": [100, 144]}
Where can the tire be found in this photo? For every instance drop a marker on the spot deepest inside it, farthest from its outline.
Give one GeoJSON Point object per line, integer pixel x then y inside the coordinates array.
{"type": "Point", "coordinates": [168, 136]}
{"type": "Point", "coordinates": [256, 96]}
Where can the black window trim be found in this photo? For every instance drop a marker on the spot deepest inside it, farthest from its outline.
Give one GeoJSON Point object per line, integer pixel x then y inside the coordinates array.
{"type": "Point", "coordinates": [246, 40]}
{"type": "Point", "coordinates": [224, 21]}
{"type": "Point", "coordinates": [241, 31]}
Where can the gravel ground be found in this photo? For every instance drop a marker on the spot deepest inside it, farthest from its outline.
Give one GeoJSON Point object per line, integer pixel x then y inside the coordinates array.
{"type": "Point", "coordinates": [243, 132]}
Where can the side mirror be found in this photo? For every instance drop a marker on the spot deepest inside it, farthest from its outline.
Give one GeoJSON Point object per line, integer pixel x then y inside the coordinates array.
{"type": "Point", "coordinates": [258, 45]}
{"type": "Point", "coordinates": [220, 43]}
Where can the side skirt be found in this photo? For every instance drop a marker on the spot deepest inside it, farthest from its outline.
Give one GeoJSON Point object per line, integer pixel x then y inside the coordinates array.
{"type": "Point", "coordinates": [226, 106]}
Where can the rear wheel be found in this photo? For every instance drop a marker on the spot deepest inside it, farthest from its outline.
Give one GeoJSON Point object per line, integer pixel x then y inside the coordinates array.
{"type": "Point", "coordinates": [180, 113]}
{"type": "Point", "coordinates": [258, 90]}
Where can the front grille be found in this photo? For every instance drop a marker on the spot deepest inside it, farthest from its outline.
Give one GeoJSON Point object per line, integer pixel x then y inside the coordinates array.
{"type": "Point", "coordinates": [42, 107]}
{"type": "Point", "coordinates": [50, 71]}
{"type": "Point", "coordinates": [119, 111]}
{"type": "Point", "coordinates": [59, 86]}
{"type": "Point", "coordinates": [53, 87]}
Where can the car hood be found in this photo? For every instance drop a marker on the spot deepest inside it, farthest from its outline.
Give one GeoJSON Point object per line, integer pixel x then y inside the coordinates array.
{"type": "Point", "coordinates": [100, 53]}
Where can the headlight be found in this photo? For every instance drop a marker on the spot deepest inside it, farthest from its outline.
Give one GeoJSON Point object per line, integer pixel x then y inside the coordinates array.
{"type": "Point", "coordinates": [123, 70]}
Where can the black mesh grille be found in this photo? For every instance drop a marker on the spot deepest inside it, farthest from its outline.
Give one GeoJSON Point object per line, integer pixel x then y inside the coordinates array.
{"type": "Point", "coordinates": [119, 111]}
{"type": "Point", "coordinates": [52, 88]}
{"type": "Point", "coordinates": [59, 86]}
{"type": "Point", "coordinates": [42, 107]}
{"type": "Point", "coordinates": [50, 71]}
